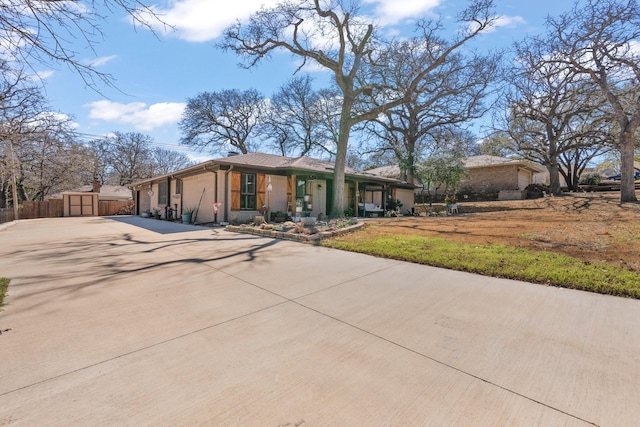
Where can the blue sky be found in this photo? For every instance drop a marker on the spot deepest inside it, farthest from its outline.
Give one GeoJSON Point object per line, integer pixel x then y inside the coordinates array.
{"type": "Point", "coordinates": [156, 73]}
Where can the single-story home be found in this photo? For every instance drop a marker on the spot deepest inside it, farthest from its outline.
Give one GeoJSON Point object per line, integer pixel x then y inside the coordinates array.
{"type": "Point", "coordinates": [236, 188]}
{"type": "Point", "coordinates": [487, 175]}
{"type": "Point", "coordinates": [498, 175]}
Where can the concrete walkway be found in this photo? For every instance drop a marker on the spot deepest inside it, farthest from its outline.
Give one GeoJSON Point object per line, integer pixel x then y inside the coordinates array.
{"type": "Point", "coordinates": [119, 322]}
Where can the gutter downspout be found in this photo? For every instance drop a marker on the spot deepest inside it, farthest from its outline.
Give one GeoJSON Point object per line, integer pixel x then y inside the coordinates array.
{"type": "Point", "coordinates": [227, 201]}
{"type": "Point", "coordinates": [215, 181]}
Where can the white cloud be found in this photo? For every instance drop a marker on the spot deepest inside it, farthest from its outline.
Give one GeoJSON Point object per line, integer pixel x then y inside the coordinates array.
{"type": "Point", "coordinates": [98, 62]}
{"type": "Point", "coordinates": [137, 113]}
{"type": "Point", "coordinates": [391, 12]}
{"type": "Point", "coordinates": [49, 117]}
{"type": "Point", "coordinates": [499, 22]}
{"type": "Point", "coordinates": [507, 22]}
{"type": "Point", "coordinates": [310, 66]}
{"type": "Point", "coordinates": [43, 75]}
{"type": "Point", "coordinates": [204, 20]}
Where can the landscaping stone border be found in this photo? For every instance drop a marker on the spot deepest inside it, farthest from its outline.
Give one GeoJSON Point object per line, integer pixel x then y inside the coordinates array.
{"type": "Point", "coordinates": [300, 237]}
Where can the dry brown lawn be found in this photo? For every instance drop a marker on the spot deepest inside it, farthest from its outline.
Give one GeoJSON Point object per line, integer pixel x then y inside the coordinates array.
{"type": "Point", "coordinates": [593, 227]}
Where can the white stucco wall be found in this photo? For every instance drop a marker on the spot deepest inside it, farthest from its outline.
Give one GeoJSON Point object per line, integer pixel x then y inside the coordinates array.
{"type": "Point", "coordinates": [277, 199]}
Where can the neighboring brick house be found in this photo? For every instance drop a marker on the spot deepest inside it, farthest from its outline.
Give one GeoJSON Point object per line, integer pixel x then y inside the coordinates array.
{"type": "Point", "coordinates": [491, 175]}
{"type": "Point", "coordinates": [488, 176]}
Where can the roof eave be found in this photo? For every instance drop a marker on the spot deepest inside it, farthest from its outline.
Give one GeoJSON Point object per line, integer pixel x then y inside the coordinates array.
{"type": "Point", "coordinates": [209, 166]}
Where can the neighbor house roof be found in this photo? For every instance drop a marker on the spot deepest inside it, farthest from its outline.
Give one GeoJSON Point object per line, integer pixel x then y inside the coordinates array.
{"type": "Point", "coordinates": [471, 162]}
{"type": "Point", "coordinates": [392, 171]}
{"type": "Point", "coordinates": [107, 192]}
{"type": "Point", "coordinates": [484, 161]}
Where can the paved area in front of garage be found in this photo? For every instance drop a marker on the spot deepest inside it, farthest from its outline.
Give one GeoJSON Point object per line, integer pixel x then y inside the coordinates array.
{"type": "Point", "coordinates": [129, 321]}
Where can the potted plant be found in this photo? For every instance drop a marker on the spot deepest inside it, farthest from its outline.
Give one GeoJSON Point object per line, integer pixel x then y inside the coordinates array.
{"type": "Point", "coordinates": [156, 213]}
{"type": "Point", "coordinates": [187, 213]}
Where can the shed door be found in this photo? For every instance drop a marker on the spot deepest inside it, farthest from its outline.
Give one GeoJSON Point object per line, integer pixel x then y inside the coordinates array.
{"type": "Point", "coordinates": [80, 205]}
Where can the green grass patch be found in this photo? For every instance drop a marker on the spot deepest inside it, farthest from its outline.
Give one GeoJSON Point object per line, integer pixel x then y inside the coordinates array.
{"type": "Point", "coordinates": [4, 284]}
{"type": "Point", "coordinates": [497, 261]}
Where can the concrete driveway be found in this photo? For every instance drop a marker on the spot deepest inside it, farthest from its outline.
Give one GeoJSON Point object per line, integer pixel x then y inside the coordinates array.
{"type": "Point", "coordinates": [130, 321]}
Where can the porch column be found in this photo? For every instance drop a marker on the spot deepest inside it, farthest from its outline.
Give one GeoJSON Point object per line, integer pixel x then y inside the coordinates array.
{"type": "Point", "coordinates": [357, 199]}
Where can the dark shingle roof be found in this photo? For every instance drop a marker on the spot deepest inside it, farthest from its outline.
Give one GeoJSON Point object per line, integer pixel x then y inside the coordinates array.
{"type": "Point", "coordinates": [270, 162]}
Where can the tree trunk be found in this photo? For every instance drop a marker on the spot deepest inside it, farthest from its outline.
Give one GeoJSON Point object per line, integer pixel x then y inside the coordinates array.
{"type": "Point", "coordinates": [411, 165]}
{"type": "Point", "coordinates": [627, 171]}
{"type": "Point", "coordinates": [338, 207]}
{"type": "Point", "coordinates": [554, 178]}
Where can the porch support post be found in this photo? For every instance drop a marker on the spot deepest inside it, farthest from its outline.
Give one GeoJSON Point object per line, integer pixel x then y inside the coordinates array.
{"type": "Point", "coordinates": [355, 196]}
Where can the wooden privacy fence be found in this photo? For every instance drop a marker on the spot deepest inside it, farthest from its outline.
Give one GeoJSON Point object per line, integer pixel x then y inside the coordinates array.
{"type": "Point", "coordinates": [48, 209]}
{"type": "Point", "coordinates": [7, 214]}
{"type": "Point", "coordinates": [54, 208]}
{"type": "Point", "coordinates": [120, 207]}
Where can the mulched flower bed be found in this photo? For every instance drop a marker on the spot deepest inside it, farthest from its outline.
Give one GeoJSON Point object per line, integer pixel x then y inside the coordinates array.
{"type": "Point", "coordinates": [298, 231]}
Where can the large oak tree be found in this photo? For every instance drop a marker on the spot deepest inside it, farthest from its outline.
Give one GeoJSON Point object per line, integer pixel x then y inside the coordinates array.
{"type": "Point", "coordinates": [447, 97]}
{"type": "Point", "coordinates": [335, 36]}
{"type": "Point", "coordinates": [223, 120]}
{"type": "Point", "coordinates": [599, 39]}
{"type": "Point", "coordinates": [549, 109]}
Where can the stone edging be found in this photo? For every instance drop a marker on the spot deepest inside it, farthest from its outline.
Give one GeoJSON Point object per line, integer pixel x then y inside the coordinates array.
{"type": "Point", "coordinates": [305, 238]}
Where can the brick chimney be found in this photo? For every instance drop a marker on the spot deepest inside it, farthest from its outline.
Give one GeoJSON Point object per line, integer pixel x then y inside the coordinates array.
{"type": "Point", "coordinates": [96, 185]}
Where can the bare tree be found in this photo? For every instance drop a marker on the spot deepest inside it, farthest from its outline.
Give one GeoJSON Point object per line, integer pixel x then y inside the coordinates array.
{"type": "Point", "coordinates": [498, 144]}
{"type": "Point", "coordinates": [122, 158]}
{"type": "Point", "coordinates": [446, 97]}
{"type": "Point", "coordinates": [334, 36]}
{"type": "Point", "coordinates": [129, 157]}
{"type": "Point", "coordinates": [50, 157]}
{"type": "Point", "coordinates": [100, 166]}
{"type": "Point", "coordinates": [598, 39]}
{"type": "Point", "coordinates": [328, 109]}
{"type": "Point", "coordinates": [219, 121]}
{"type": "Point", "coordinates": [44, 32]}
{"type": "Point", "coordinates": [20, 106]}
{"type": "Point", "coordinates": [294, 118]}
{"type": "Point", "coordinates": [543, 103]}
{"type": "Point", "coordinates": [167, 161]}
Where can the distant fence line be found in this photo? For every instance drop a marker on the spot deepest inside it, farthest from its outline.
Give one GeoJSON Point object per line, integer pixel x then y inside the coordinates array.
{"type": "Point", "coordinates": [7, 214]}
{"type": "Point", "coordinates": [54, 208]}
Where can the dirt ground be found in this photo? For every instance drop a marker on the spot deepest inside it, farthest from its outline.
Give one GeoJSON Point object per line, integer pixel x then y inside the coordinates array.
{"type": "Point", "coordinates": [594, 227]}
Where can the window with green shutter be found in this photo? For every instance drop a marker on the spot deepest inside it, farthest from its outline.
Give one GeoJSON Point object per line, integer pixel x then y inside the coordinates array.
{"type": "Point", "coordinates": [248, 191]}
